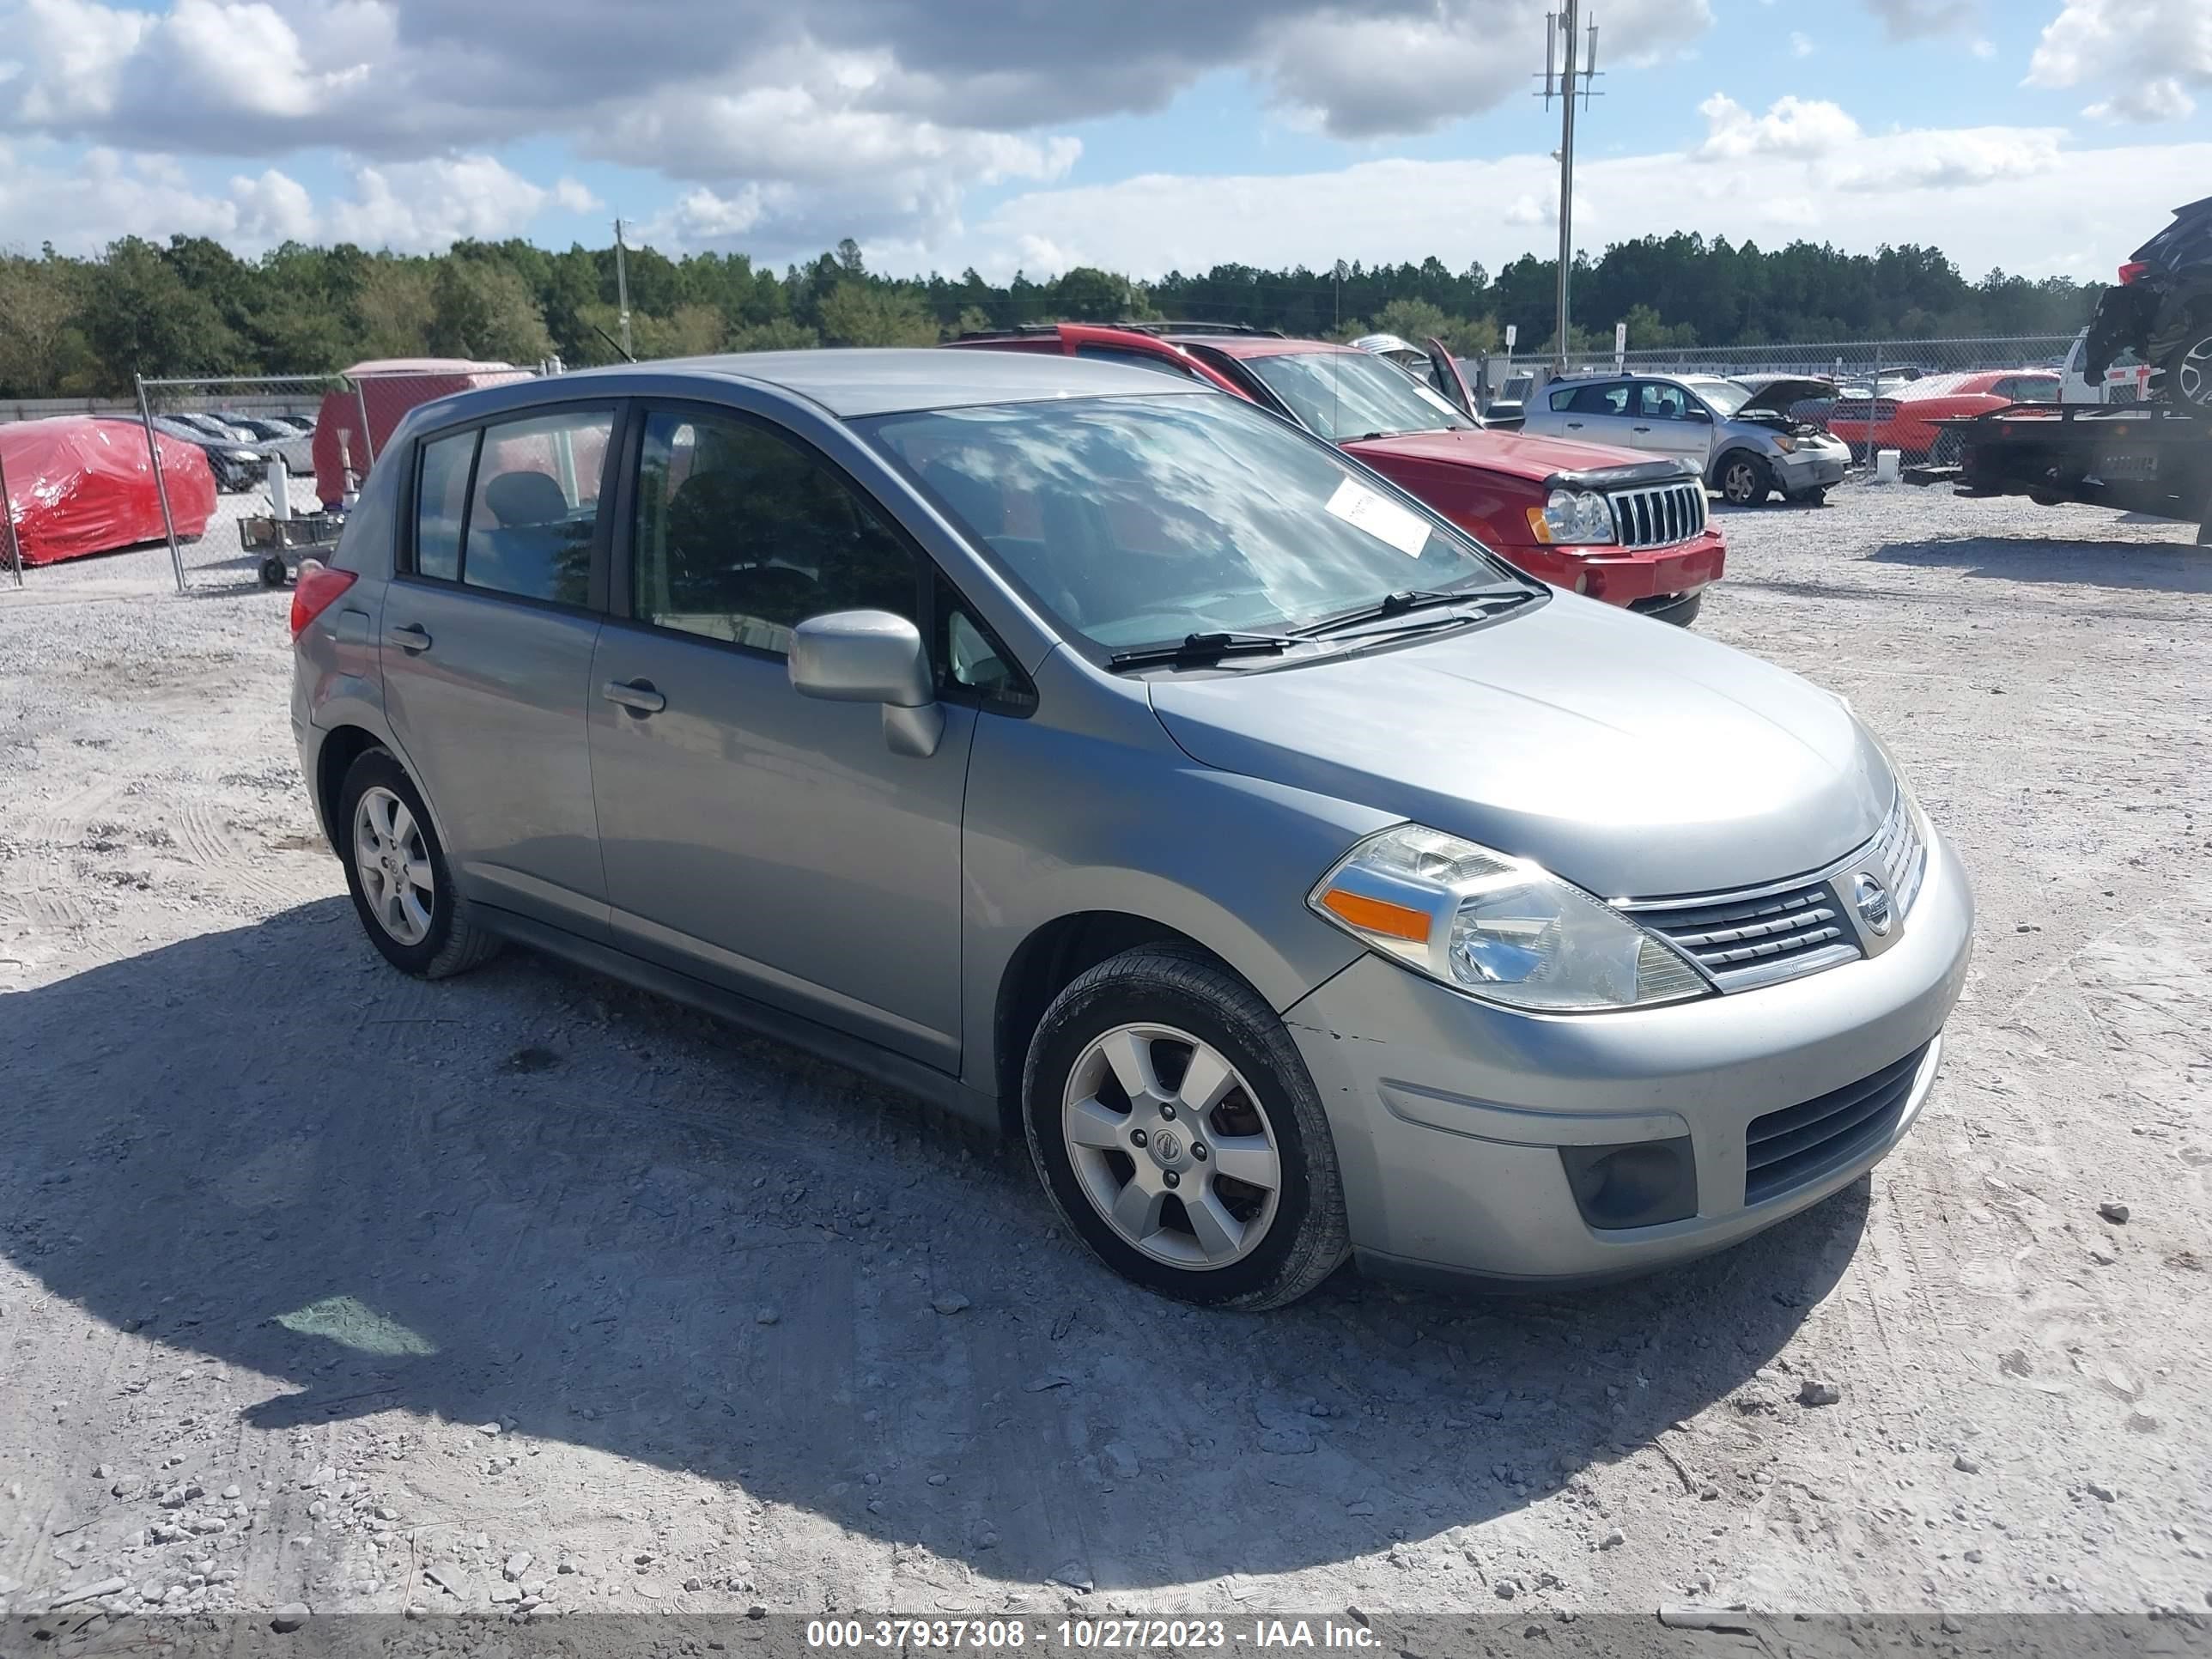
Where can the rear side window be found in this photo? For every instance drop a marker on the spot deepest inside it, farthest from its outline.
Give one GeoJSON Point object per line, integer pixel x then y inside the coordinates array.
{"type": "Point", "coordinates": [1593, 399]}
{"type": "Point", "coordinates": [513, 509]}
{"type": "Point", "coordinates": [742, 535]}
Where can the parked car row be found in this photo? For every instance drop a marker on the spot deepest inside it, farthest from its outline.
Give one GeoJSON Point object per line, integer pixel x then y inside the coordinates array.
{"type": "Point", "coordinates": [237, 448]}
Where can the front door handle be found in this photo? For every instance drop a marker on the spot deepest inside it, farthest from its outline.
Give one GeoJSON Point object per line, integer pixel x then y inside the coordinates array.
{"type": "Point", "coordinates": [1642, 428]}
{"type": "Point", "coordinates": [637, 695]}
{"type": "Point", "coordinates": [412, 637]}
{"type": "Point", "coordinates": [1574, 426]}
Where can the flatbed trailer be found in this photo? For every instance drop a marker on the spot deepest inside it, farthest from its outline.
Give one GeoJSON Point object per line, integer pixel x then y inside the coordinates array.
{"type": "Point", "coordinates": [2139, 458]}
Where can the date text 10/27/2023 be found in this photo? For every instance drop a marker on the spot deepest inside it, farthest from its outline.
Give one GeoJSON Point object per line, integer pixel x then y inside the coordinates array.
{"type": "Point", "coordinates": [1084, 1635]}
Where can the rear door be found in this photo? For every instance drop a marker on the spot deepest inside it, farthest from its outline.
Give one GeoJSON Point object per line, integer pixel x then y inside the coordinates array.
{"type": "Point", "coordinates": [1598, 412]}
{"type": "Point", "coordinates": [754, 838]}
{"type": "Point", "coordinates": [489, 626]}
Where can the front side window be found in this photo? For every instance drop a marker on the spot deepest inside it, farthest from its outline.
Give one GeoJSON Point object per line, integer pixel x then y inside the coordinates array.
{"type": "Point", "coordinates": [1659, 401]}
{"type": "Point", "coordinates": [1347, 396]}
{"type": "Point", "coordinates": [1135, 522]}
{"type": "Point", "coordinates": [741, 535]}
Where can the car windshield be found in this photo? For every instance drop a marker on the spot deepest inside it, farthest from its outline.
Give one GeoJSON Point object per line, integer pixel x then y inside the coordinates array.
{"type": "Point", "coordinates": [1725, 395]}
{"type": "Point", "coordinates": [1136, 521]}
{"type": "Point", "coordinates": [1346, 396]}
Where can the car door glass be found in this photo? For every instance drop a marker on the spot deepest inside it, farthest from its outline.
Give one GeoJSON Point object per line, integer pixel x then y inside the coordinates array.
{"type": "Point", "coordinates": [741, 535]}
{"type": "Point", "coordinates": [1600, 400]}
{"type": "Point", "coordinates": [1657, 401]}
{"type": "Point", "coordinates": [534, 511]}
{"type": "Point", "coordinates": [441, 494]}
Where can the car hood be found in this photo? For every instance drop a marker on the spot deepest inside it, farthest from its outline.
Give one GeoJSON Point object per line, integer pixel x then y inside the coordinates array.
{"type": "Point", "coordinates": [1777, 396]}
{"type": "Point", "coordinates": [1629, 756]}
{"type": "Point", "coordinates": [1513, 453]}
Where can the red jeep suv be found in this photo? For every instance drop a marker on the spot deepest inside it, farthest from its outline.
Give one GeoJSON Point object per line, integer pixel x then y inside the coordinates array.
{"type": "Point", "coordinates": [1627, 528]}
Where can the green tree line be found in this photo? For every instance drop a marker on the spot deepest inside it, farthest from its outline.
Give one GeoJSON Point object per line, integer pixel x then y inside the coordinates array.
{"type": "Point", "coordinates": [84, 327]}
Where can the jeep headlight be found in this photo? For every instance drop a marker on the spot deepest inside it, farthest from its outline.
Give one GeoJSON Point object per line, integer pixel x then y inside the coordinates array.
{"type": "Point", "coordinates": [1572, 515]}
{"type": "Point", "coordinates": [1500, 928]}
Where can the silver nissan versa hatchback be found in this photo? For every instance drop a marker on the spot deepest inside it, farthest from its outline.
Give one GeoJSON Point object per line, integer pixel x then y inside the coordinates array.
{"type": "Point", "coordinates": [1104, 758]}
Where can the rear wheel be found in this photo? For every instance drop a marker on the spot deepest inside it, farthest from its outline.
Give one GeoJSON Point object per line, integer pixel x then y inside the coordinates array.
{"type": "Point", "coordinates": [1175, 1127]}
{"type": "Point", "coordinates": [401, 888]}
{"type": "Point", "coordinates": [1948, 450]}
{"type": "Point", "coordinates": [1744, 478]}
{"type": "Point", "coordinates": [2188, 372]}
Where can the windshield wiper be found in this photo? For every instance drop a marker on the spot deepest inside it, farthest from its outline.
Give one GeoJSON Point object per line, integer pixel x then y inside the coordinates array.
{"type": "Point", "coordinates": [1398, 604]}
{"type": "Point", "coordinates": [1203, 648]}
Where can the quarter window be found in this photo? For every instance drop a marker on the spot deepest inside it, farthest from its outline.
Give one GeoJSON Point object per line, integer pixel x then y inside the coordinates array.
{"type": "Point", "coordinates": [438, 502]}
{"type": "Point", "coordinates": [742, 535]}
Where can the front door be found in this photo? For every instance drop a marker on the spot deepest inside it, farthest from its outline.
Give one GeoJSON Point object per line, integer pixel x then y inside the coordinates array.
{"type": "Point", "coordinates": [752, 837]}
{"type": "Point", "coordinates": [1597, 413]}
{"type": "Point", "coordinates": [489, 628]}
{"type": "Point", "coordinates": [1670, 421]}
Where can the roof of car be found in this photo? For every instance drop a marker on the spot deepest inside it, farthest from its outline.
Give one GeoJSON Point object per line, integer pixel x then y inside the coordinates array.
{"type": "Point", "coordinates": [852, 382]}
{"type": "Point", "coordinates": [1258, 346]}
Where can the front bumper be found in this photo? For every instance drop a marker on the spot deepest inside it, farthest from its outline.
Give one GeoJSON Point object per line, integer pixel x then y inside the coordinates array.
{"type": "Point", "coordinates": [1809, 468]}
{"type": "Point", "coordinates": [1448, 1113]}
{"type": "Point", "coordinates": [1621, 575]}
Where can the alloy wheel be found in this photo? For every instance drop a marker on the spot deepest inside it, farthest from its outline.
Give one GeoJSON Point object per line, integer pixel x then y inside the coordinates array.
{"type": "Point", "coordinates": [1171, 1146]}
{"type": "Point", "coordinates": [394, 866]}
{"type": "Point", "coordinates": [1738, 482]}
{"type": "Point", "coordinates": [2194, 376]}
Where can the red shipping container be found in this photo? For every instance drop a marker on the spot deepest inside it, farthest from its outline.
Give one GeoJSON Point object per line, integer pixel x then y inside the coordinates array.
{"type": "Point", "coordinates": [78, 484]}
{"type": "Point", "coordinates": [390, 387]}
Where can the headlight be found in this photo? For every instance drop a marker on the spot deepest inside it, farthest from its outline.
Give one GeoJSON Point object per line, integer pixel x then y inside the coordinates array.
{"type": "Point", "coordinates": [1786, 443]}
{"type": "Point", "coordinates": [1570, 515]}
{"type": "Point", "coordinates": [1500, 928]}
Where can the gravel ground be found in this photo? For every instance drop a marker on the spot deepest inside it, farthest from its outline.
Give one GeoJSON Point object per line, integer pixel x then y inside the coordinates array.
{"type": "Point", "coordinates": [526, 1292]}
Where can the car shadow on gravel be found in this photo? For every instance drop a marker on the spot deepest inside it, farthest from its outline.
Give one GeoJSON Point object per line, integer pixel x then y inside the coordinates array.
{"type": "Point", "coordinates": [532, 1198]}
{"type": "Point", "coordinates": [2134, 565]}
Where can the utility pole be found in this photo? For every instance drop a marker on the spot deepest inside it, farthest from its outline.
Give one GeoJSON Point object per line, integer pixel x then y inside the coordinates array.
{"type": "Point", "coordinates": [622, 291]}
{"type": "Point", "coordinates": [1561, 30]}
{"type": "Point", "coordinates": [1339, 273]}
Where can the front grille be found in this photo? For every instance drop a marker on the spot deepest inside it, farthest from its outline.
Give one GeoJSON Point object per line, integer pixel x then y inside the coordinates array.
{"type": "Point", "coordinates": [1799, 1144]}
{"type": "Point", "coordinates": [1743, 942]}
{"type": "Point", "coordinates": [1659, 516]}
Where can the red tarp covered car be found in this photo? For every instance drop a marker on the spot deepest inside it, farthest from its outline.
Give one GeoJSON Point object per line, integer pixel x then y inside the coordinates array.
{"type": "Point", "coordinates": [77, 484]}
{"type": "Point", "coordinates": [389, 387]}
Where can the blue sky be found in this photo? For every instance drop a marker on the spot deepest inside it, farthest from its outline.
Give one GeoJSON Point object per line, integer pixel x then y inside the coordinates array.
{"type": "Point", "coordinates": [2042, 134]}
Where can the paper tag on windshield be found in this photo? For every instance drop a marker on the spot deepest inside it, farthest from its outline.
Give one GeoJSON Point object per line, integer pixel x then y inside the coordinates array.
{"type": "Point", "coordinates": [1380, 517]}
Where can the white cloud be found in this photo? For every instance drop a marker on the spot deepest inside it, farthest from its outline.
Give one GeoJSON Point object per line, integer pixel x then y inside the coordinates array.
{"type": "Point", "coordinates": [1983, 195]}
{"type": "Point", "coordinates": [413, 206]}
{"type": "Point", "coordinates": [1801, 44]}
{"type": "Point", "coordinates": [2150, 53]}
{"type": "Point", "coordinates": [1792, 126]}
{"type": "Point", "coordinates": [1911, 20]}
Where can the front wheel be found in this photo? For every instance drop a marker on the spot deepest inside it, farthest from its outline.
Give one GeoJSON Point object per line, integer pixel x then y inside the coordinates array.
{"type": "Point", "coordinates": [1817, 496]}
{"type": "Point", "coordinates": [1173, 1123]}
{"type": "Point", "coordinates": [1745, 480]}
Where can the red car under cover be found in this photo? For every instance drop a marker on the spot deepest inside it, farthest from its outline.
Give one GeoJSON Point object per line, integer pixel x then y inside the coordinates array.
{"type": "Point", "coordinates": [77, 484]}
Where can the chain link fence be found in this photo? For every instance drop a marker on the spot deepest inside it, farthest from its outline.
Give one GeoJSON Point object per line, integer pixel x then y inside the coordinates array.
{"type": "Point", "coordinates": [256, 473]}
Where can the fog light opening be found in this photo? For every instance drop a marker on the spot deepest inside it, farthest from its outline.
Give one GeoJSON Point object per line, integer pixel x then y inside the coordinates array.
{"type": "Point", "coordinates": [1636, 1184]}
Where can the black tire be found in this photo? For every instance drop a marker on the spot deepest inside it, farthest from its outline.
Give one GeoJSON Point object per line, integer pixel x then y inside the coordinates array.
{"type": "Point", "coordinates": [273, 572]}
{"type": "Point", "coordinates": [1949, 449]}
{"type": "Point", "coordinates": [1181, 988]}
{"type": "Point", "coordinates": [1817, 496]}
{"type": "Point", "coordinates": [2187, 374]}
{"type": "Point", "coordinates": [1681, 612]}
{"type": "Point", "coordinates": [455, 942]}
{"type": "Point", "coordinates": [1744, 479]}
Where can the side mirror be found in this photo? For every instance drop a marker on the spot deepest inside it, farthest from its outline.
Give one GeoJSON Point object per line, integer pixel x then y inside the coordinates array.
{"type": "Point", "coordinates": [871, 656]}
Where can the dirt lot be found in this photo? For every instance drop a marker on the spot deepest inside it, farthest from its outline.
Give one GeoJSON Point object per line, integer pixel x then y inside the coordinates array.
{"type": "Point", "coordinates": [319, 1284]}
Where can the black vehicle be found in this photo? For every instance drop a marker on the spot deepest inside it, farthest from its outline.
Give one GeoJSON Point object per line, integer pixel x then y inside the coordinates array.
{"type": "Point", "coordinates": [235, 466]}
{"type": "Point", "coordinates": [2161, 310]}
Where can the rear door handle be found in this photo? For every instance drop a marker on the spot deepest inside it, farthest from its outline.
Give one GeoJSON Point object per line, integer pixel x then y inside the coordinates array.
{"type": "Point", "coordinates": [1574, 426]}
{"type": "Point", "coordinates": [637, 695]}
{"type": "Point", "coordinates": [412, 637]}
{"type": "Point", "coordinates": [1643, 428]}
